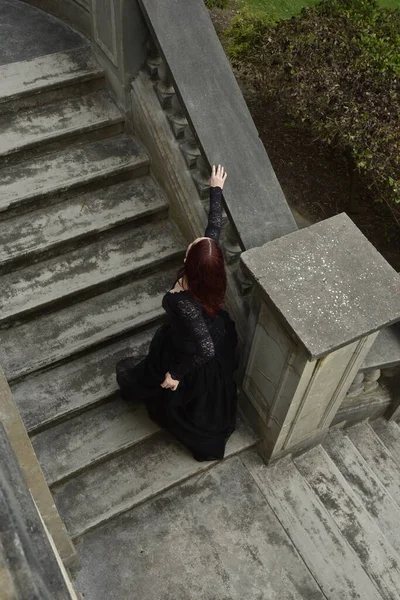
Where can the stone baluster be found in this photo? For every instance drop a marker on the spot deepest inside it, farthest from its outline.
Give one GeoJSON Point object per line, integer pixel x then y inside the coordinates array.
{"type": "Point", "coordinates": [153, 61]}
{"type": "Point", "coordinates": [190, 148]}
{"type": "Point", "coordinates": [164, 87]}
{"type": "Point", "coordinates": [177, 118]}
{"type": "Point", "coordinates": [371, 380]}
{"type": "Point", "coordinates": [231, 244]}
{"type": "Point", "coordinates": [357, 387]}
{"type": "Point", "coordinates": [201, 177]}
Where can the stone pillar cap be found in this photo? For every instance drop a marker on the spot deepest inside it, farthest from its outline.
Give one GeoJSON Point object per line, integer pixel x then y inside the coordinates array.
{"type": "Point", "coordinates": [328, 282]}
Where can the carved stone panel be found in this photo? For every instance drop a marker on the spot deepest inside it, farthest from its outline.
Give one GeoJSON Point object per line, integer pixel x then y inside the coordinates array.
{"type": "Point", "coordinates": [105, 28]}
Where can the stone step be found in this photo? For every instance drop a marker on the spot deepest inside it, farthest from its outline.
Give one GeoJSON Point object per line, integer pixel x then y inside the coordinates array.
{"type": "Point", "coordinates": [320, 543]}
{"type": "Point", "coordinates": [379, 458]}
{"type": "Point", "coordinates": [47, 127]}
{"type": "Point", "coordinates": [379, 559]}
{"type": "Point", "coordinates": [57, 336]}
{"type": "Point", "coordinates": [389, 434]}
{"type": "Point", "coordinates": [50, 77]}
{"type": "Point", "coordinates": [52, 396]}
{"type": "Point", "coordinates": [75, 445]}
{"type": "Point", "coordinates": [75, 329]}
{"type": "Point", "coordinates": [47, 231]}
{"type": "Point", "coordinates": [368, 488]}
{"type": "Point", "coordinates": [29, 184]}
{"type": "Point", "coordinates": [147, 469]}
{"type": "Point", "coordinates": [213, 537]}
{"type": "Point", "coordinates": [91, 269]}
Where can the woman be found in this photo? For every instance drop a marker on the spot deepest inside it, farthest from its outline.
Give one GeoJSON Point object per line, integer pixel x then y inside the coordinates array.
{"type": "Point", "coordinates": [186, 380]}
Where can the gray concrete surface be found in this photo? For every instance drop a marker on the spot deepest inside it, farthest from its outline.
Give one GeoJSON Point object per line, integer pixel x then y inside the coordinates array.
{"type": "Point", "coordinates": [385, 352]}
{"type": "Point", "coordinates": [26, 32]}
{"type": "Point", "coordinates": [377, 556]}
{"type": "Point", "coordinates": [314, 533]}
{"type": "Point", "coordinates": [49, 78]}
{"type": "Point", "coordinates": [55, 173]}
{"type": "Point", "coordinates": [71, 388]}
{"type": "Point", "coordinates": [212, 538]}
{"type": "Point", "coordinates": [126, 480]}
{"type": "Point", "coordinates": [121, 254]}
{"type": "Point", "coordinates": [83, 325]}
{"type": "Point", "coordinates": [54, 123]}
{"type": "Point", "coordinates": [328, 282]}
{"type": "Point", "coordinates": [67, 223]}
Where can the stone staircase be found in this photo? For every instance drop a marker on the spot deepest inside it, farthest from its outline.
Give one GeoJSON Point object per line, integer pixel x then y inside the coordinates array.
{"type": "Point", "coordinates": [87, 251]}
{"type": "Point", "coordinates": [339, 503]}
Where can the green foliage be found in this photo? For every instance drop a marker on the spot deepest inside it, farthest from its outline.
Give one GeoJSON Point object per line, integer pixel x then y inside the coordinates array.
{"type": "Point", "coordinates": [216, 3]}
{"type": "Point", "coordinates": [336, 67]}
{"type": "Point", "coordinates": [247, 32]}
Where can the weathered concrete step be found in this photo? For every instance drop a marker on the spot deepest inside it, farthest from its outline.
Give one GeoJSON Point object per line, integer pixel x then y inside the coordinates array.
{"type": "Point", "coordinates": [213, 537]}
{"type": "Point", "coordinates": [379, 559]}
{"type": "Point", "coordinates": [35, 78]}
{"type": "Point", "coordinates": [54, 337]}
{"type": "Point", "coordinates": [326, 553]}
{"type": "Point", "coordinates": [68, 389]}
{"type": "Point", "coordinates": [35, 128]}
{"type": "Point", "coordinates": [379, 458]}
{"type": "Point", "coordinates": [389, 434]}
{"type": "Point", "coordinates": [87, 270]}
{"type": "Point", "coordinates": [52, 228]}
{"type": "Point", "coordinates": [124, 481]}
{"type": "Point", "coordinates": [100, 433]}
{"type": "Point", "coordinates": [28, 183]}
{"type": "Point", "coordinates": [368, 488]}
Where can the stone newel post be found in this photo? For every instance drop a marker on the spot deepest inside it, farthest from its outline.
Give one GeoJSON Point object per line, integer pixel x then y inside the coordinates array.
{"type": "Point", "coordinates": [321, 296]}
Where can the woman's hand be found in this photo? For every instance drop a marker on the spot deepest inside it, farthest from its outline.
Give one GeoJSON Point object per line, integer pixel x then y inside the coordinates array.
{"type": "Point", "coordinates": [218, 177]}
{"type": "Point", "coordinates": [170, 383]}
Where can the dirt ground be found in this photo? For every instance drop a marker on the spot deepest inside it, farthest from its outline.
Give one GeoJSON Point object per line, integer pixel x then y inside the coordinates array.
{"type": "Point", "coordinates": [314, 179]}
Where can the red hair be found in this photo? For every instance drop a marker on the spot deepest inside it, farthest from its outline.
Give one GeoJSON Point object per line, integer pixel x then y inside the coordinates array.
{"type": "Point", "coordinates": [205, 275]}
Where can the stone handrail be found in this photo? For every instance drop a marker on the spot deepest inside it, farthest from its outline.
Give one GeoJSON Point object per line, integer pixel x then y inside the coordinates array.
{"type": "Point", "coordinates": [30, 566]}
{"type": "Point", "coordinates": [14, 427]}
{"type": "Point", "coordinates": [199, 73]}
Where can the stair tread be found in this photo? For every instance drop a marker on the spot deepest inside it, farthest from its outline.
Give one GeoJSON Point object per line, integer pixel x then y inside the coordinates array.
{"type": "Point", "coordinates": [74, 386]}
{"type": "Point", "coordinates": [213, 537]}
{"type": "Point", "coordinates": [126, 480]}
{"type": "Point", "coordinates": [53, 337]}
{"type": "Point", "coordinates": [363, 482]}
{"type": "Point", "coordinates": [389, 434]}
{"type": "Point", "coordinates": [102, 261]}
{"type": "Point", "coordinates": [47, 72]}
{"type": "Point", "coordinates": [78, 216]}
{"type": "Point", "coordinates": [74, 445]}
{"type": "Point", "coordinates": [379, 559]}
{"type": "Point", "coordinates": [330, 559]}
{"type": "Point", "coordinates": [45, 123]}
{"type": "Point", "coordinates": [60, 171]}
{"type": "Point", "coordinates": [378, 457]}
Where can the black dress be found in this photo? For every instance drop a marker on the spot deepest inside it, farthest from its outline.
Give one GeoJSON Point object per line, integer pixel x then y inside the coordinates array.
{"type": "Point", "coordinates": [200, 352]}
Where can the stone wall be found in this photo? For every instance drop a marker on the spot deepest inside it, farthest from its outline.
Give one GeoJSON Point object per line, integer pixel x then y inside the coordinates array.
{"type": "Point", "coordinates": [73, 12]}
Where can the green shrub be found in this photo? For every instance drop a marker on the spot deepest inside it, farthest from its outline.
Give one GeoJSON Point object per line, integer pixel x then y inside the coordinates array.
{"type": "Point", "coordinates": [336, 67]}
{"type": "Point", "coordinates": [247, 32]}
{"type": "Point", "coordinates": [216, 3]}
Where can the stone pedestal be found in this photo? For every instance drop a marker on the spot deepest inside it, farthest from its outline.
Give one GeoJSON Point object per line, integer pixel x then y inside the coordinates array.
{"type": "Point", "coordinates": [321, 296]}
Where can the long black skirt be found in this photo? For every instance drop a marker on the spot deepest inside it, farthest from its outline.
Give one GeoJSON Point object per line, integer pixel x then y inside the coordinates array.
{"type": "Point", "coordinates": [201, 413]}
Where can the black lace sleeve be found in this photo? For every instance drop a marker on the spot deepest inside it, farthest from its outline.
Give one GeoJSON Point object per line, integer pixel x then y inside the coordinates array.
{"type": "Point", "coordinates": [214, 225]}
{"type": "Point", "coordinates": [191, 315]}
